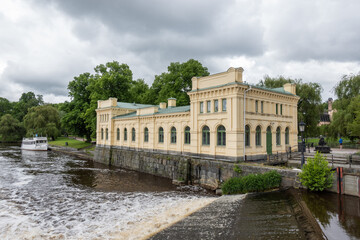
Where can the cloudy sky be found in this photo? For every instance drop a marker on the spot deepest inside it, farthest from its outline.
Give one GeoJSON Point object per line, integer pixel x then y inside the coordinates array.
{"type": "Point", "coordinates": [45, 43]}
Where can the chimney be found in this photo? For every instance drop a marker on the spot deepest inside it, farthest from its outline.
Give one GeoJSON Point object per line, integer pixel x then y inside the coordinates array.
{"type": "Point", "coordinates": [171, 102]}
{"type": "Point", "coordinates": [330, 102]}
{"type": "Point", "coordinates": [162, 105]}
{"type": "Point", "coordinates": [290, 87]}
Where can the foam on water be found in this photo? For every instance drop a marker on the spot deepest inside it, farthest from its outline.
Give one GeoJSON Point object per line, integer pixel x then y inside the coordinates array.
{"type": "Point", "coordinates": [37, 201]}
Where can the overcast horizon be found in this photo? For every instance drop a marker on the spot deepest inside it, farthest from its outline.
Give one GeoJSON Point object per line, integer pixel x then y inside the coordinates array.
{"type": "Point", "coordinates": [45, 44]}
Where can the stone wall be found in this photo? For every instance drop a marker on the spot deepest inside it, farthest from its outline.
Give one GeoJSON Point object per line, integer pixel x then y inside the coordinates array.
{"type": "Point", "coordinates": [208, 173]}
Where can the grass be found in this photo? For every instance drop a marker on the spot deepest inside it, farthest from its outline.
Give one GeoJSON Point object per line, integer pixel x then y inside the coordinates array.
{"type": "Point", "coordinates": [60, 141]}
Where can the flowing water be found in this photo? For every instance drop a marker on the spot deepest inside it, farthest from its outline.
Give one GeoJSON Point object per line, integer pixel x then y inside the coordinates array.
{"type": "Point", "coordinates": [47, 195]}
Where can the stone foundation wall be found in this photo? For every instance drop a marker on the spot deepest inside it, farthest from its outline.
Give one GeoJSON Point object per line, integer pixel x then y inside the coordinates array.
{"type": "Point", "coordinates": [208, 173]}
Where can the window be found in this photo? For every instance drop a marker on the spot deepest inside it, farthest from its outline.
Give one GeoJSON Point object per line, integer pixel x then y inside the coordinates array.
{"type": "Point", "coordinates": [205, 135]}
{"type": "Point", "coordinates": [277, 111]}
{"type": "Point", "coordinates": [224, 105]}
{"type": "Point", "coordinates": [278, 136]}
{"type": "Point", "coordinates": [258, 136]}
{"type": "Point", "coordinates": [102, 134]}
{"type": "Point", "coordinates": [107, 134]}
{"type": "Point", "coordinates": [118, 134]}
{"type": "Point", "coordinates": [161, 135]}
{"type": "Point", "coordinates": [133, 134]}
{"type": "Point", "coordinates": [146, 134]}
{"type": "Point", "coordinates": [256, 106]}
{"type": "Point", "coordinates": [216, 105]}
{"type": "Point", "coordinates": [287, 135]}
{"type": "Point", "coordinates": [280, 109]}
{"type": "Point", "coordinates": [125, 134]}
{"type": "Point", "coordinates": [208, 106]}
{"type": "Point", "coordinates": [173, 135]}
{"type": "Point", "coordinates": [247, 135]}
{"type": "Point", "coordinates": [201, 107]}
{"type": "Point", "coordinates": [221, 136]}
{"type": "Point", "coordinates": [262, 106]}
{"type": "Point", "coordinates": [187, 135]}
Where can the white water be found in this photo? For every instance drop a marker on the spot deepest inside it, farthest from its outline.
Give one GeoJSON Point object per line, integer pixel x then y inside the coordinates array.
{"type": "Point", "coordinates": [38, 200]}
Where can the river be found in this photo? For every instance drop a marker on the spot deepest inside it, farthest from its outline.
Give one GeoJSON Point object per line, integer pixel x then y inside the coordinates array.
{"type": "Point", "coordinates": [47, 195]}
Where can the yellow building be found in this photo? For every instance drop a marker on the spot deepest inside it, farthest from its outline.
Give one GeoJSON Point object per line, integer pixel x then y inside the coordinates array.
{"type": "Point", "coordinates": [227, 119]}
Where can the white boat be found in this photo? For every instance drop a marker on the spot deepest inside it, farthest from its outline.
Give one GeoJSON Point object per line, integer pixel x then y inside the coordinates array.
{"type": "Point", "coordinates": [35, 144]}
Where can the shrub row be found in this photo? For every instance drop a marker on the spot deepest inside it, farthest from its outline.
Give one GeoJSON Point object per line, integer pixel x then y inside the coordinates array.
{"type": "Point", "coordinates": [252, 183]}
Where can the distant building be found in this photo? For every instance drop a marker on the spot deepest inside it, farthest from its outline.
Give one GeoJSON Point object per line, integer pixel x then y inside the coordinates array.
{"type": "Point", "coordinates": [326, 117]}
{"type": "Point", "coordinates": [211, 126]}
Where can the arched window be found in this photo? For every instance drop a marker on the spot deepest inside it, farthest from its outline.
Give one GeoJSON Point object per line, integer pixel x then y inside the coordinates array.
{"type": "Point", "coordinates": [107, 134]}
{"type": "Point", "coordinates": [118, 134]}
{"type": "Point", "coordinates": [258, 136]}
{"type": "Point", "coordinates": [187, 135]}
{"type": "Point", "coordinates": [125, 134]}
{"type": "Point", "coordinates": [146, 134]}
{"type": "Point", "coordinates": [133, 134]}
{"type": "Point", "coordinates": [102, 134]}
{"type": "Point", "coordinates": [278, 136]}
{"type": "Point", "coordinates": [221, 136]}
{"type": "Point", "coordinates": [173, 135]}
{"type": "Point", "coordinates": [287, 135]}
{"type": "Point", "coordinates": [247, 135]}
{"type": "Point", "coordinates": [205, 135]}
{"type": "Point", "coordinates": [161, 135]}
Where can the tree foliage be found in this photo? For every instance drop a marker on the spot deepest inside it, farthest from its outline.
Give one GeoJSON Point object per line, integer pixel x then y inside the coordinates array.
{"type": "Point", "coordinates": [10, 128]}
{"type": "Point", "coordinates": [42, 120]}
{"type": "Point", "coordinates": [5, 106]}
{"type": "Point", "coordinates": [316, 175]}
{"type": "Point", "coordinates": [309, 106]}
{"type": "Point", "coordinates": [26, 101]}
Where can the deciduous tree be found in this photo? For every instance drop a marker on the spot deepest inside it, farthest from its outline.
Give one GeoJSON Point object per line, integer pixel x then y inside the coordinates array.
{"type": "Point", "coordinates": [10, 128]}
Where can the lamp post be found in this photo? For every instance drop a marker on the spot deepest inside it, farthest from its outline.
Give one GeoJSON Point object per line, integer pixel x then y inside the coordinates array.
{"type": "Point", "coordinates": [302, 129]}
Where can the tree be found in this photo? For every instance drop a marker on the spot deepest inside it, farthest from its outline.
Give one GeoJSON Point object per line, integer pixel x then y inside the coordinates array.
{"type": "Point", "coordinates": [346, 119]}
{"type": "Point", "coordinates": [309, 106]}
{"type": "Point", "coordinates": [5, 106]}
{"type": "Point", "coordinates": [42, 120]}
{"type": "Point", "coordinates": [176, 82]}
{"type": "Point", "coordinates": [74, 120]}
{"type": "Point", "coordinates": [111, 80]}
{"type": "Point", "coordinates": [10, 128]}
{"type": "Point", "coordinates": [139, 92]}
{"type": "Point", "coordinates": [26, 101]}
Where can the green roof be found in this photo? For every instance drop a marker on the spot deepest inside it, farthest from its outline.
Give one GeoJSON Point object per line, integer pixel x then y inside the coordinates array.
{"type": "Point", "coordinates": [161, 111]}
{"type": "Point", "coordinates": [133, 105]}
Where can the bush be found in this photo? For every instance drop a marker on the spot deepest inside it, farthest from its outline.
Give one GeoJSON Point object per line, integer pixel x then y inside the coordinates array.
{"type": "Point", "coordinates": [316, 175]}
{"type": "Point", "coordinates": [252, 183]}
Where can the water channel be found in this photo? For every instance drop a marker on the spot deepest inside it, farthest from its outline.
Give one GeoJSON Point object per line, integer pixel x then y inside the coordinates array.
{"type": "Point", "coordinates": [48, 195]}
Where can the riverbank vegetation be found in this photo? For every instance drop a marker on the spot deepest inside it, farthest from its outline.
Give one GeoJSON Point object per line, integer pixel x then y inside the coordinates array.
{"type": "Point", "coordinates": [316, 174]}
{"type": "Point", "coordinates": [252, 183]}
{"type": "Point", "coordinates": [73, 143]}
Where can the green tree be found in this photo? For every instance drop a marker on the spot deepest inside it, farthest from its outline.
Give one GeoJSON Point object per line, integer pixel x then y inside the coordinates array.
{"type": "Point", "coordinates": [309, 106]}
{"type": "Point", "coordinates": [43, 120]}
{"type": "Point", "coordinates": [316, 175]}
{"type": "Point", "coordinates": [5, 106]}
{"type": "Point", "coordinates": [139, 92]}
{"type": "Point", "coordinates": [111, 80]}
{"type": "Point", "coordinates": [10, 128]}
{"type": "Point", "coordinates": [73, 119]}
{"type": "Point", "coordinates": [26, 101]}
{"type": "Point", "coordinates": [176, 82]}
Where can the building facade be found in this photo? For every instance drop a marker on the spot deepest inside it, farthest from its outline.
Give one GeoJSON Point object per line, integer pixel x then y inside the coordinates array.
{"type": "Point", "coordinates": [227, 119]}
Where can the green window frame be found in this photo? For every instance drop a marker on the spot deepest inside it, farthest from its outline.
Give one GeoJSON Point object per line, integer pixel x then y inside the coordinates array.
{"type": "Point", "coordinates": [102, 134]}
{"type": "Point", "coordinates": [117, 134]}
{"type": "Point", "coordinates": [205, 135]}
{"type": "Point", "coordinates": [201, 107]}
{"type": "Point", "coordinates": [277, 110]}
{"type": "Point", "coordinates": [247, 135]}
{"type": "Point", "coordinates": [133, 134]}
{"type": "Point", "coordinates": [187, 136]}
{"type": "Point", "coordinates": [262, 106]}
{"type": "Point", "coordinates": [107, 134]}
{"type": "Point", "coordinates": [216, 105]}
{"type": "Point", "coordinates": [125, 134]}
{"type": "Point", "coordinates": [223, 104]}
{"type": "Point", "coordinates": [258, 136]}
{"type": "Point", "coordinates": [256, 106]}
{"type": "Point", "coordinates": [278, 136]}
{"type": "Point", "coordinates": [173, 135]}
{"type": "Point", "coordinates": [281, 109]}
{"type": "Point", "coordinates": [287, 135]}
{"type": "Point", "coordinates": [208, 106]}
{"type": "Point", "coordinates": [221, 136]}
{"type": "Point", "coordinates": [146, 134]}
{"type": "Point", "coordinates": [161, 135]}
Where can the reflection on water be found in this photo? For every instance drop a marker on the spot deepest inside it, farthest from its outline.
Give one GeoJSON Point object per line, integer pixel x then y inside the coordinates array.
{"type": "Point", "coordinates": [47, 195]}
{"type": "Point", "coordinates": [338, 215]}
